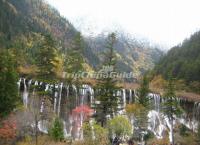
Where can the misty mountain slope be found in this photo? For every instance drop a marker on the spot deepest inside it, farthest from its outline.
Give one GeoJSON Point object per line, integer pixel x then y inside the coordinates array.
{"type": "Point", "coordinates": [184, 62]}
{"type": "Point", "coordinates": [20, 19]}
{"type": "Point", "coordinates": [133, 55]}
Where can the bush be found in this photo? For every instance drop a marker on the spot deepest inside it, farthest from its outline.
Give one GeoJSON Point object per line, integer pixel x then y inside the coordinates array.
{"type": "Point", "coordinates": [94, 134]}
{"type": "Point", "coordinates": [120, 126]}
{"type": "Point", "coordinates": [183, 130]}
{"type": "Point", "coordinates": [149, 135]}
{"type": "Point", "coordinates": [56, 131]}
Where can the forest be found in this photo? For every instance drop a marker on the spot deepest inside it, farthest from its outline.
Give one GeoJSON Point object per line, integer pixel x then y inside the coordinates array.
{"type": "Point", "coordinates": [46, 98]}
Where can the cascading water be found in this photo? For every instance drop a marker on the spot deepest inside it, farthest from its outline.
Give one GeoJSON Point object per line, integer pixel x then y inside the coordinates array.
{"type": "Point", "coordinates": [60, 97]}
{"type": "Point", "coordinates": [55, 101]}
{"type": "Point", "coordinates": [124, 98]}
{"type": "Point", "coordinates": [84, 95]}
{"type": "Point", "coordinates": [25, 94]}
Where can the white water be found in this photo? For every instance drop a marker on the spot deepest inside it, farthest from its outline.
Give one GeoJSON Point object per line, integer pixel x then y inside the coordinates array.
{"type": "Point", "coordinates": [25, 94]}
{"type": "Point", "coordinates": [158, 124]}
{"type": "Point", "coordinates": [60, 97]}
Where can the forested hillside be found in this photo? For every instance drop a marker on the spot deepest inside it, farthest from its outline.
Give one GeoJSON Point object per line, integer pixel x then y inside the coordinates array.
{"type": "Point", "coordinates": [24, 23]}
{"type": "Point", "coordinates": [133, 55]}
{"type": "Point", "coordinates": [184, 62]}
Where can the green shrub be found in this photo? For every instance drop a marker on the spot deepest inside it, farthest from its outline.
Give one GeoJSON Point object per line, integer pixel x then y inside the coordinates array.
{"type": "Point", "coordinates": [56, 131]}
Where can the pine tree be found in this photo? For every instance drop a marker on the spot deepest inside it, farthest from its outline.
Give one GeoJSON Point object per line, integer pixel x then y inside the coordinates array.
{"type": "Point", "coordinates": [143, 98]}
{"type": "Point", "coordinates": [46, 59]}
{"type": "Point", "coordinates": [74, 65]}
{"type": "Point", "coordinates": [74, 59]}
{"type": "Point", "coordinates": [171, 106]}
{"type": "Point", "coordinates": [8, 84]}
{"type": "Point", "coordinates": [143, 104]}
{"type": "Point", "coordinates": [107, 85]}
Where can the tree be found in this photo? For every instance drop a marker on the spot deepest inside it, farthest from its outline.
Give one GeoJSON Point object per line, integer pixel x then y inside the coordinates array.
{"type": "Point", "coordinates": [107, 84]}
{"type": "Point", "coordinates": [8, 84]}
{"type": "Point", "coordinates": [73, 65]}
{"type": "Point", "coordinates": [46, 59]}
{"type": "Point", "coordinates": [171, 107]}
{"type": "Point", "coordinates": [56, 131]}
{"type": "Point", "coordinates": [82, 111]}
{"type": "Point", "coordinates": [81, 114]}
{"type": "Point", "coordinates": [94, 134]}
{"type": "Point", "coordinates": [8, 130]}
{"type": "Point", "coordinates": [120, 127]}
{"type": "Point", "coordinates": [74, 59]}
{"type": "Point", "coordinates": [143, 98]}
{"type": "Point", "coordinates": [143, 106]}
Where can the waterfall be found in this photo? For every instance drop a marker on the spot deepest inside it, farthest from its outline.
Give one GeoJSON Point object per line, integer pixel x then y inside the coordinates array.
{"type": "Point", "coordinates": [43, 126]}
{"type": "Point", "coordinates": [19, 83]}
{"type": "Point", "coordinates": [42, 107]}
{"type": "Point", "coordinates": [158, 124]}
{"type": "Point", "coordinates": [91, 93]}
{"type": "Point", "coordinates": [46, 87]}
{"type": "Point", "coordinates": [168, 124]}
{"type": "Point", "coordinates": [124, 98]}
{"type": "Point", "coordinates": [25, 94]}
{"type": "Point", "coordinates": [76, 95]}
{"type": "Point", "coordinates": [60, 97]}
{"type": "Point", "coordinates": [64, 129]}
{"type": "Point", "coordinates": [156, 99]}
{"type": "Point", "coordinates": [29, 83]}
{"type": "Point", "coordinates": [135, 93]}
{"type": "Point", "coordinates": [55, 100]}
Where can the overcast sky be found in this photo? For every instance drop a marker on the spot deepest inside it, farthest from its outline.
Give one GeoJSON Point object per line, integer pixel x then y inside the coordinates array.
{"type": "Point", "coordinates": [167, 22]}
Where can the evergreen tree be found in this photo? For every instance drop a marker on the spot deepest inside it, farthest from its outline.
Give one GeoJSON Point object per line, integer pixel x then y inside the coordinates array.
{"type": "Point", "coordinates": [107, 84]}
{"type": "Point", "coordinates": [143, 104]}
{"type": "Point", "coordinates": [8, 84]}
{"type": "Point", "coordinates": [46, 59]}
{"type": "Point", "coordinates": [56, 131]}
{"type": "Point", "coordinates": [74, 65]}
{"type": "Point", "coordinates": [171, 106]}
{"type": "Point", "coordinates": [74, 59]}
{"type": "Point", "coordinates": [143, 98]}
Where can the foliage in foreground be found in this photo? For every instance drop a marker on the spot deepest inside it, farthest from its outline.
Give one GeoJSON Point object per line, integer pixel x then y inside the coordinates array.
{"type": "Point", "coordinates": [56, 131]}
{"type": "Point", "coordinates": [8, 84]}
{"type": "Point", "coordinates": [94, 134]}
{"type": "Point", "coordinates": [120, 127]}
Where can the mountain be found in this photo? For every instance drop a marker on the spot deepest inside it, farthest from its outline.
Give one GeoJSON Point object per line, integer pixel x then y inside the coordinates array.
{"type": "Point", "coordinates": [25, 16]}
{"type": "Point", "coordinates": [184, 62]}
{"type": "Point", "coordinates": [133, 55]}
{"type": "Point", "coordinates": [23, 21]}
